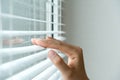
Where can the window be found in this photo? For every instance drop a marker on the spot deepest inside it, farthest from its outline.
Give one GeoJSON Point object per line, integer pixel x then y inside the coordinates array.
{"type": "Point", "coordinates": [21, 20]}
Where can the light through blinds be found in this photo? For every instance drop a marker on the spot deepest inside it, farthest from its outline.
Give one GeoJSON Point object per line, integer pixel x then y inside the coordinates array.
{"type": "Point", "coordinates": [20, 21]}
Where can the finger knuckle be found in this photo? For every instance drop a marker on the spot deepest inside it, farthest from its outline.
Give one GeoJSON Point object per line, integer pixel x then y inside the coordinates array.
{"type": "Point", "coordinates": [77, 49]}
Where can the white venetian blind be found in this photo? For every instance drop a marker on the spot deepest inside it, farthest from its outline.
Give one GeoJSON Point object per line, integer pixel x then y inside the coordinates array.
{"type": "Point", "coordinates": [20, 21]}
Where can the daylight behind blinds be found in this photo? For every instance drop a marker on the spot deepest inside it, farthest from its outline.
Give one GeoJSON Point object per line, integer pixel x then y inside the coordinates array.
{"type": "Point", "coordinates": [20, 21]}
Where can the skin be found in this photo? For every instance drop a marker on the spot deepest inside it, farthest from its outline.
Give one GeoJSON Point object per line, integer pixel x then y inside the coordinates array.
{"type": "Point", "coordinates": [74, 69]}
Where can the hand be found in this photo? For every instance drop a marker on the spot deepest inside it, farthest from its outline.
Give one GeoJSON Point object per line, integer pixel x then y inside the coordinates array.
{"type": "Point", "coordinates": [75, 69]}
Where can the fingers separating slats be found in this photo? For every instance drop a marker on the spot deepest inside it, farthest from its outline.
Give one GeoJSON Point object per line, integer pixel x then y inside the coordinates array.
{"type": "Point", "coordinates": [49, 42]}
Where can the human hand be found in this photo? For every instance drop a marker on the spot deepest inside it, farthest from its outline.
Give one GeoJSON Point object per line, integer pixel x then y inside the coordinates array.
{"type": "Point", "coordinates": [74, 69]}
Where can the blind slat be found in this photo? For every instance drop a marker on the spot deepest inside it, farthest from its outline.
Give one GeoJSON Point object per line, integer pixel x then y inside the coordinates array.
{"type": "Point", "coordinates": [60, 78]}
{"type": "Point", "coordinates": [25, 62]}
{"type": "Point", "coordinates": [55, 76]}
{"type": "Point", "coordinates": [25, 18]}
{"type": "Point", "coordinates": [31, 72]}
{"type": "Point", "coordinates": [24, 33]}
{"type": "Point", "coordinates": [19, 50]}
{"type": "Point", "coordinates": [9, 54]}
{"type": "Point", "coordinates": [46, 74]}
{"type": "Point", "coordinates": [60, 38]}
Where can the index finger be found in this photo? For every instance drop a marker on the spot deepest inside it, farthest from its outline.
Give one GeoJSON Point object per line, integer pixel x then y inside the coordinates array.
{"type": "Point", "coordinates": [68, 49]}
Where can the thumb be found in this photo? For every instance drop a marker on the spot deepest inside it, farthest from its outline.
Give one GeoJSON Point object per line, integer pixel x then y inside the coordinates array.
{"type": "Point", "coordinates": [58, 62]}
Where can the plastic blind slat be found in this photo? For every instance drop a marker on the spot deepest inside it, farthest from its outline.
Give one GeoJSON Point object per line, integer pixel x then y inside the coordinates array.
{"type": "Point", "coordinates": [60, 78]}
{"type": "Point", "coordinates": [25, 18]}
{"type": "Point", "coordinates": [18, 50]}
{"type": "Point", "coordinates": [46, 74]}
{"type": "Point", "coordinates": [55, 76]}
{"type": "Point", "coordinates": [24, 33]}
{"type": "Point", "coordinates": [10, 54]}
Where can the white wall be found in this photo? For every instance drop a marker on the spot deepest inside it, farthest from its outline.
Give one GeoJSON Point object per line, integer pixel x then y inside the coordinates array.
{"type": "Point", "coordinates": [94, 25]}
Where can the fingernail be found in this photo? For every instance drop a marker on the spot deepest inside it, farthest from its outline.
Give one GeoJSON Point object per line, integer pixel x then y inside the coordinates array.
{"type": "Point", "coordinates": [52, 54]}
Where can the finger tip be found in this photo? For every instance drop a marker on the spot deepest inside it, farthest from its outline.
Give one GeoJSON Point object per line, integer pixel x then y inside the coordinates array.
{"type": "Point", "coordinates": [33, 40]}
{"type": "Point", "coordinates": [51, 54]}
